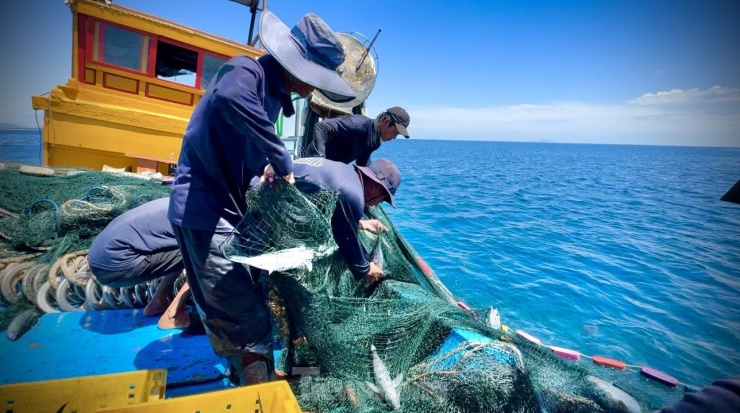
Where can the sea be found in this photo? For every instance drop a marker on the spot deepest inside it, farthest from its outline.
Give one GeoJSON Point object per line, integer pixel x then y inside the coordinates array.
{"type": "Point", "coordinates": [621, 251]}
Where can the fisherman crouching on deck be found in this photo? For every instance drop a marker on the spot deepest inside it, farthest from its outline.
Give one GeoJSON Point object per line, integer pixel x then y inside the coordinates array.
{"type": "Point", "coordinates": [229, 140]}
{"type": "Point", "coordinates": [138, 246]}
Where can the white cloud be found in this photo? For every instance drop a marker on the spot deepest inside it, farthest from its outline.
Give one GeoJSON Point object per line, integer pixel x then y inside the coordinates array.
{"type": "Point", "coordinates": [707, 117]}
{"type": "Point", "coordinates": [691, 96]}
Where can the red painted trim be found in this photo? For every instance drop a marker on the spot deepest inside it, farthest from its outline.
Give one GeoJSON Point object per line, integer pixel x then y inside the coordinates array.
{"type": "Point", "coordinates": [181, 44]}
{"type": "Point", "coordinates": [89, 38]}
{"type": "Point", "coordinates": [81, 46]}
{"type": "Point", "coordinates": [199, 70]}
{"type": "Point", "coordinates": [101, 44]}
{"type": "Point", "coordinates": [152, 58]}
{"type": "Point", "coordinates": [123, 69]}
{"type": "Point", "coordinates": [105, 75]}
{"type": "Point", "coordinates": [146, 93]}
{"type": "Point", "coordinates": [201, 58]}
{"type": "Point", "coordinates": [120, 26]}
{"type": "Point", "coordinates": [154, 39]}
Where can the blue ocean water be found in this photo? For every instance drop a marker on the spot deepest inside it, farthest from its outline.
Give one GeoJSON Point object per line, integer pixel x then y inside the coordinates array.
{"type": "Point", "coordinates": [620, 251]}
{"type": "Point", "coordinates": [613, 250]}
{"type": "Point", "coordinates": [20, 145]}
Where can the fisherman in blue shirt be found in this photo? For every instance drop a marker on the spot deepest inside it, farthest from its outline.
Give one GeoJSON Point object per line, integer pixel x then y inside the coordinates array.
{"type": "Point", "coordinates": [229, 140]}
{"type": "Point", "coordinates": [356, 137]}
{"type": "Point", "coordinates": [358, 187]}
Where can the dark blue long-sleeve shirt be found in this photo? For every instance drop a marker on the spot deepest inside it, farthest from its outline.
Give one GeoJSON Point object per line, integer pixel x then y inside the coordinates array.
{"type": "Point", "coordinates": [345, 139]}
{"type": "Point", "coordinates": [313, 174]}
{"type": "Point", "coordinates": [230, 139]}
{"type": "Point", "coordinates": [132, 236]}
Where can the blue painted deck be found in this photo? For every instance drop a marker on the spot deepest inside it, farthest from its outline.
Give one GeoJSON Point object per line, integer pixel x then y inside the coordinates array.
{"type": "Point", "coordinates": [451, 351]}
{"type": "Point", "coordinates": [77, 344]}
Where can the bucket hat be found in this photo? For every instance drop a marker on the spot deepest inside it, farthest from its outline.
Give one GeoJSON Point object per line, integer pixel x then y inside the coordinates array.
{"type": "Point", "coordinates": [385, 173]}
{"type": "Point", "coordinates": [310, 51]}
{"type": "Point", "coordinates": [401, 119]}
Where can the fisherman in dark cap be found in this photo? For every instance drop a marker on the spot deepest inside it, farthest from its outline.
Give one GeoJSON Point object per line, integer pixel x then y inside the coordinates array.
{"type": "Point", "coordinates": [354, 138]}
{"type": "Point", "coordinates": [229, 140]}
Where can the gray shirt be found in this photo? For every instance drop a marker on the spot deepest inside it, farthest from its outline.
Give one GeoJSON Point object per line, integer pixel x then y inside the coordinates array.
{"type": "Point", "coordinates": [142, 231]}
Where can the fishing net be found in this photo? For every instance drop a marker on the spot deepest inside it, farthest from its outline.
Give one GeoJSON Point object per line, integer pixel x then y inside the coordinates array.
{"type": "Point", "coordinates": [449, 359]}
{"type": "Point", "coordinates": [438, 356]}
{"type": "Point", "coordinates": [48, 213]}
{"type": "Point", "coordinates": [282, 228]}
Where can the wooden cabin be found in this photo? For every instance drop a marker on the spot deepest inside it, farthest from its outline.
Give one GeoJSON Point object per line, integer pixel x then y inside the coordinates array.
{"type": "Point", "coordinates": [135, 80]}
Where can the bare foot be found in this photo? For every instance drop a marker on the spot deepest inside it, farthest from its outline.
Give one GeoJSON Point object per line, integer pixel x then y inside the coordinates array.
{"type": "Point", "coordinates": [176, 315]}
{"type": "Point", "coordinates": [180, 320]}
{"type": "Point", "coordinates": [156, 306]}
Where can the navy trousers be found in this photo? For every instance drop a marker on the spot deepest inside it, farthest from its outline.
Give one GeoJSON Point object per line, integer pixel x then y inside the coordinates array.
{"type": "Point", "coordinates": [231, 304]}
{"type": "Point", "coordinates": [150, 267]}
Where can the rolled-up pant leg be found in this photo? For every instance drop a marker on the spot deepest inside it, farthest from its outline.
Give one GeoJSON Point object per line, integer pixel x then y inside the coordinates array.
{"type": "Point", "coordinates": [233, 307]}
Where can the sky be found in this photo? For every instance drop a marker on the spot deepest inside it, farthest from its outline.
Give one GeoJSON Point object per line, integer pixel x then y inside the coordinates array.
{"type": "Point", "coordinates": [654, 72]}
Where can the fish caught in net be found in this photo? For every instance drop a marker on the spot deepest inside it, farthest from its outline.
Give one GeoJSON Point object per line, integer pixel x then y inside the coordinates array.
{"type": "Point", "coordinates": [401, 344]}
{"type": "Point", "coordinates": [282, 229]}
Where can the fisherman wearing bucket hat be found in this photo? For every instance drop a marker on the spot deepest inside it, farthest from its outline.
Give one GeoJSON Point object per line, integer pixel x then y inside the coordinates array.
{"type": "Point", "coordinates": [356, 137]}
{"type": "Point", "coordinates": [358, 187]}
{"type": "Point", "coordinates": [313, 55]}
{"type": "Point", "coordinates": [229, 140]}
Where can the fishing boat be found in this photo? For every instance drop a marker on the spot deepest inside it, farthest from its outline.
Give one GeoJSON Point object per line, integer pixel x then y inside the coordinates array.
{"type": "Point", "coordinates": [135, 81]}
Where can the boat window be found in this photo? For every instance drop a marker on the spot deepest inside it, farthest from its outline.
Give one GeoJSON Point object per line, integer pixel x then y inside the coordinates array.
{"type": "Point", "coordinates": [211, 64]}
{"type": "Point", "coordinates": [120, 47]}
{"type": "Point", "coordinates": [176, 64]}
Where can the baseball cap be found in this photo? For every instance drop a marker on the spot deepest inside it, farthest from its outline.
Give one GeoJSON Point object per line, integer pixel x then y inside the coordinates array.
{"type": "Point", "coordinates": [401, 119]}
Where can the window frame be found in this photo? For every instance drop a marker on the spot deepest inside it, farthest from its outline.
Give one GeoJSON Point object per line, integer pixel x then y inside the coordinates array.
{"type": "Point", "coordinates": [87, 42]}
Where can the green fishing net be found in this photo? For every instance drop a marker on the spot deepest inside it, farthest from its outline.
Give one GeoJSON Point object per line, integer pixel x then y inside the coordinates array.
{"type": "Point", "coordinates": [449, 359]}
{"type": "Point", "coordinates": [445, 359]}
{"type": "Point", "coordinates": [42, 218]}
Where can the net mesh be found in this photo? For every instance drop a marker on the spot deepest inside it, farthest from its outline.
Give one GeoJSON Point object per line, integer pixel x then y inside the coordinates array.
{"type": "Point", "coordinates": [448, 359]}
{"type": "Point", "coordinates": [445, 359]}
{"type": "Point", "coordinates": [42, 218]}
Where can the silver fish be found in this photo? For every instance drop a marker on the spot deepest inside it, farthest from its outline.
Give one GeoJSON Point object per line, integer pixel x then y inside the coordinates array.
{"type": "Point", "coordinates": [377, 257]}
{"type": "Point", "coordinates": [385, 388]}
{"type": "Point", "coordinates": [494, 318]}
{"type": "Point", "coordinates": [617, 400]}
{"type": "Point", "coordinates": [22, 323]}
{"type": "Point", "coordinates": [287, 259]}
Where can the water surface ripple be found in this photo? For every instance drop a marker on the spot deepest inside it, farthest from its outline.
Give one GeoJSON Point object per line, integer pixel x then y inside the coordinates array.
{"type": "Point", "coordinates": [622, 251]}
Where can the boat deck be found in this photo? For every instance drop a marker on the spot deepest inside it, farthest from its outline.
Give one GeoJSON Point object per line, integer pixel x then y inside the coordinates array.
{"type": "Point", "coordinates": [75, 344]}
